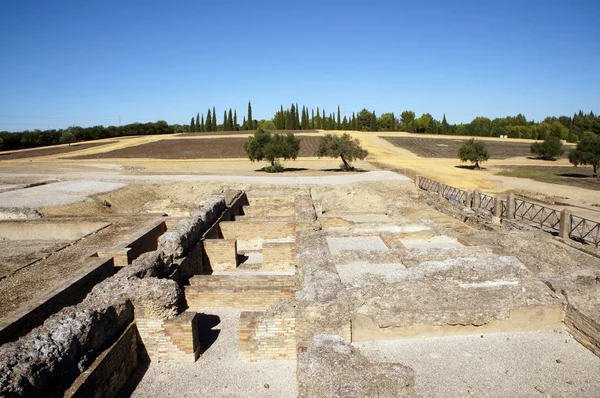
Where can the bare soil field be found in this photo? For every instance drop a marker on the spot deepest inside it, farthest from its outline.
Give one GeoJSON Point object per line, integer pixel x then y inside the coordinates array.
{"type": "Point", "coordinates": [242, 132]}
{"type": "Point", "coordinates": [573, 176]}
{"type": "Point", "coordinates": [206, 148]}
{"type": "Point", "coordinates": [53, 150]}
{"type": "Point", "coordinates": [447, 148]}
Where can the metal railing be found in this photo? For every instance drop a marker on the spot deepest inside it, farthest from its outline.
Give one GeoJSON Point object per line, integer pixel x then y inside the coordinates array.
{"type": "Point", "coordinates": [428, 185]}
{"type": "Point", "coordinates": [584, 230]}
{"type": "Point", "coordinates": [537, 214]}
{"type": "Point", "coordinates": [486, 202]}
{"type": "Point", "coordinates": [574, 227]}
{"type": "Point", "coordinates": [454, 194]}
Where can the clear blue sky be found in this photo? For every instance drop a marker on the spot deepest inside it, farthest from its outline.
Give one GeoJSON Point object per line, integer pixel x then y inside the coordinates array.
{"type": "Point", "coordinates": [87, 62]}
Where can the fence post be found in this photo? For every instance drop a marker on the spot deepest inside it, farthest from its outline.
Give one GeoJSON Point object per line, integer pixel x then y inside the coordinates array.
{"type": "Point", "coordinates": [440, 190]}
{"type": "Point", "coordinates": [510, 207]}
{"type": "Point", "coordinates": [469, 199]}
{"type": "Point", "coordinates": [417, 181]}
{"type": "Point", "coordinates": [564, 226]}
{"type": "Point", "coordinates": [497, 206]}
{"type": "Point", "coordinates": [476, 198]}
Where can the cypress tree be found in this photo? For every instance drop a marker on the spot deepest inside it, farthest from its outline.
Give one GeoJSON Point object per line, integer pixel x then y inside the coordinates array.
{"type": "Point", "coordinates": [208, 121]}
{"type": "Point", "coordinates": [230, 121]}
{"type": "Point", "coordinates": [250, 120]}
{"type": "Point", "coordinates": [192, 126]}
{"type": "Point", "coordinates": [444, 125]}
{"type": "Point", "coordinates": [215, 123]}
{"type": "Point", "coordinates": [244, 126]}
{"type": "Point", "coordinates": [318, 117]}
{"type": "Point", "coordinates": [394, 122]}
{"type": "Point", "coordinates": [312, 119]}
{"type": "Point", "coordinates": [339, 119]}
{"type": "Point", "coordinates": [297, 116]}
{"type": "Point", "coordinates": [197, 121]}
{"type": "Point", "coordinates": [202, 124]}
{"type": "Point", "coordinates": [293, 118]}
{"type": "Point", "coordinates": [235, 120]}
{"type": "Point", "coordinates": [323, 120]}
{"type": "Point", "coordinates": [225, 121]}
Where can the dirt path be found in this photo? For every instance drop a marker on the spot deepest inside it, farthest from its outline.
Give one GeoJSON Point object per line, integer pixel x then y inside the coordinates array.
{"type": "Point", "coordinates": [583, 201]}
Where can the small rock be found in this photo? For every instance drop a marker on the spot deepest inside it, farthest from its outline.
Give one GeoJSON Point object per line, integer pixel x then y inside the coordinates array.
{"type": "Point", "coordinates": [569, 382]}
{"type": "Point", "coordinates": [540, 389]}
{"type": "Point", "coordinates": [267, 386]}
{"type": "Point", "coordinates": [558, 361]}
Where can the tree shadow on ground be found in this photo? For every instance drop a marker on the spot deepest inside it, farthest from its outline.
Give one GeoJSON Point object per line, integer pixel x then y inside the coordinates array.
{"type": "Point", "coordinates": [575, 175]}
{"type": "Point", "coordinates": [539, 158]}
{"type": "Point", "coordinates": [285, 170]}
{"type": "Point", "coordinates": [356, 170]}
{"type": "Point", "coordinates": [469, 167]}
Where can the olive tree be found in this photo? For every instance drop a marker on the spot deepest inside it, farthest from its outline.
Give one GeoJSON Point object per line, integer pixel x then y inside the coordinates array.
{"type": "Point", "coordinates": [344, 147]}
{"type": "Point", "coordinates": [67, 138]}
{"type": "Point", "coordinates": [473, 151]}
{"type": "Point", "coordinates": [266, 146]}
{"type": "Point", "coordinates": [587, 152]}
{"type": "Point", "coordinates": [550, 149]}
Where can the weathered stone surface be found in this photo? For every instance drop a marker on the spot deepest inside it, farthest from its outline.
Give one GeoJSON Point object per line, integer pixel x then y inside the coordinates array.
{"type": "Point", "coordinates": [18, 213]}
{"type": "Point", "coordinates": [331, 367]}
{"type": "Point", "coordinates": [188, 232]}
{"type": "Point", "coordinates": [46, 361]}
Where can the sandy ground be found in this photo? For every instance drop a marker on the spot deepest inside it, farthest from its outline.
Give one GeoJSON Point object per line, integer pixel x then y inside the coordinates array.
{"type": "Point", "coordinates": [583, 201]}
{"type": "Point", "coordinates": [218, 372]}
{"type": "Point", "coordinates": [527, 364]}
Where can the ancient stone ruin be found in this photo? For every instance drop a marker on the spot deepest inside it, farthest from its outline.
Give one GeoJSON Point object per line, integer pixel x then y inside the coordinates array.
{"type": "Point", "coordinates": [327, 298]}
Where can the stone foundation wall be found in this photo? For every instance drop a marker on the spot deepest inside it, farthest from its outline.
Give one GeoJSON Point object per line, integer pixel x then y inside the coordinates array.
{"type": "Point", "coordinates": [314, 319]}
{"type": "Point", "coordinates": [267, 337]}
{"type": "Point", "coordinates": [92, 272]}
{"type": "Point", "coordinates": [270, 210]}
{"type": "Point", "coordinates": [110, 371]}
{"type": "Point", "coordinates": [252, 230]}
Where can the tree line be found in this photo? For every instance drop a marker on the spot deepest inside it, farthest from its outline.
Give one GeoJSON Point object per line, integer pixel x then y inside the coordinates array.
{"type": "Point", "coordinates": [295, 117]}
{"type": "Point", "coordinates": [570, 128]}
{"type": "Point", "coordinates": [39, 138]}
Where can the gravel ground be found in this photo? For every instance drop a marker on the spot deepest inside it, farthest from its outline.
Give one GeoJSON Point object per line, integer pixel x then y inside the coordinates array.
{"type": "Point", "coordinates": [528, 364]}
{"type": "Point", "coordinates": [218, 372]}
{"type": "Point", "coordinates": [379, 175]}
{"type": "Point", "coordinates": [55, 194]}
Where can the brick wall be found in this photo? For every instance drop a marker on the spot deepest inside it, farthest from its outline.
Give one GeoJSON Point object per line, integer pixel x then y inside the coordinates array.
{"type": "Point", "coordinates": [248, 292]}
{"type": "Point", "coordinates": [111, 369]}
{"type": "Point", "coordinates": [278, 256]}
{"type": "Point", "coordinates": [92, 272]}
{"type": "Point", "coordinates": [270, 210]}
{"type": "Point", "coordinates": [260, 201]}
{"type": "Point", "coordinates": [220, 254]}
{"type": "Point", "coordinates": [173, 340]}
{"type": "Point", "coordinates": [252, 230]}
{"type": "Point", "coordinates": [267, 337]}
